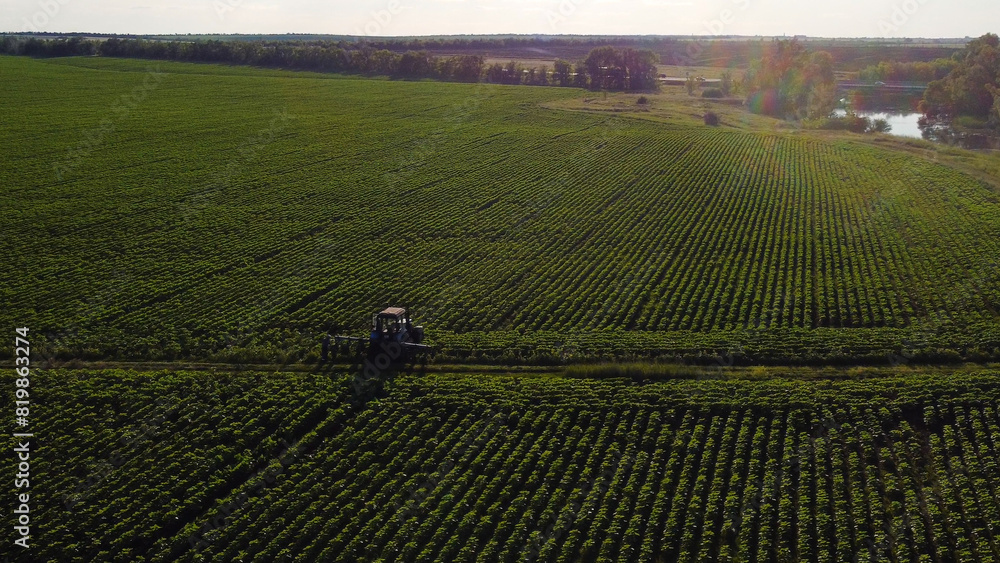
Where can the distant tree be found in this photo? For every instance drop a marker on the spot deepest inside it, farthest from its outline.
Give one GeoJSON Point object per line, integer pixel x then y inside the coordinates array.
{"type": "Point", "coordinates": [727, 83]}
{"type": "Point", "coordinates": [604, 69]}
{"type": "Point", "coordinates": [918, 71]}
{"type": "Point", "coordinates": [822, 100]}
{"type": "Point", "coordinates": [332, 59]}
{"type": "Point", "coordinates": [513, 73]}
{"type": "Point", "coordinates": [971, 87]}
{"type": "Point", "coordinates": [639, 68]}
{"type": "Point", "coordinates": [446, 68]}
{"type": "Point", "coordinates": [75, 46]}
{"type": "Point", "coordinates": [789, 82]}
{"type": "Point", "coordinates": [820, 87]}
{"type": "Point", "coordinates": [364, 60]}
{"type": "Point", "coordinates": [469, 68]}
{"type": "Point", "coordinates": [494, 73]}
{"type": "Point", "coordinates": [629, 69]}
{"type": "Point", "coordinates": [580, 75]}
{"type": "Point", "coordinates": [711, 118]}
{"type": "Point", "coordinates": [541, 76]}
{"type": "Point", "coordinates": [995, 114]}
{"type": "Point", "coordinates": [562, 73]}
{"type": "Point", "coordinates": [936, 99]}
{"type": "Point", "coordinates": [850, 122]}
{"type": "Point", "coordinates": [384, 61]}
{"type": "Point", "coordinates": [414, 64]}
{"type": "Point", "coordinates": [691, 85]}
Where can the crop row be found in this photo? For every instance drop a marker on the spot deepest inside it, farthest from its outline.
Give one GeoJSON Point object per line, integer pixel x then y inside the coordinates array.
{"type": "Point", "coordinates": [125, 459]}
{"type": "Point", "coordinates": [472, 204]}
{"type": "Point", "coordinates": [494, 469]}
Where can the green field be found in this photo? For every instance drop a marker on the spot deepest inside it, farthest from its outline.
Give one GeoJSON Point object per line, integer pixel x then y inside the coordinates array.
{"type": "Point", "coordinates": [183, 466]}
{"type": "Point", "coordinates": [182, 214]}
{"type": "Point", "coordinates": [163, 210]}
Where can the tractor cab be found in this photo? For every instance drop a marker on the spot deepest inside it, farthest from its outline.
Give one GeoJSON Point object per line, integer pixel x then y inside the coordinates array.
{"type": "Point", "coordinates": [393, 324]}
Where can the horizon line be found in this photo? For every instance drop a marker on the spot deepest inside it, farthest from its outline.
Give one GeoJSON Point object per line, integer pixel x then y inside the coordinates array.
{"type": "Point", "coordinates": [490, 35]}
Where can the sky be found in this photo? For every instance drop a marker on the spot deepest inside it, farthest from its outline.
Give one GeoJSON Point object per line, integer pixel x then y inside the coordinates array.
{"type": "Point", "coordinates": [824, 18]}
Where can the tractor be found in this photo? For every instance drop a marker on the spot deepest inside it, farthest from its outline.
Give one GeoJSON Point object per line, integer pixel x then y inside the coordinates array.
{"type": "Point", "coordinates": [393, 335]}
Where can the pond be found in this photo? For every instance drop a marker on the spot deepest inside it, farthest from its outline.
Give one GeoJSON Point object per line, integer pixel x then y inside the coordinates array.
{"type": "Point", "coordinates": [903, 124]}
{"type": "Point", "coordinates": [909, 123]}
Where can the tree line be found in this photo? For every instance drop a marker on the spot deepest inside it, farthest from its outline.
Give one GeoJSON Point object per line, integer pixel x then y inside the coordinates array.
{"type": "Point", "coordinates": [972, 88]}
{"type": "Point", "coordinates": [604, 68]}
{"type": "Point", "coordinates": [851, 55]}
{"type": "Point", "coordinates": [965, 84]}
{"type": "Point", "coordinates": [894, 71]}
{"type": "Point", "coordinates": [321, 56]}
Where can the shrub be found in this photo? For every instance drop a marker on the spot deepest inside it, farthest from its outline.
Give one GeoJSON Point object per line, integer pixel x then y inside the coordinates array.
{"type": "Point", "coordinates": [713, 93]}
{"type": "Point", "coordinates": [711, 119]}
{"type": "Point", "coordinates": [855, 124]}
{"type": "Point", "coordinates": [971, 122]}
{"type": "Point", "coordinates": [880, 126]}
{"type": "Point", "coordinates": [643, 100]}
{"type": "Point", "coordinates": [850, 122]}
